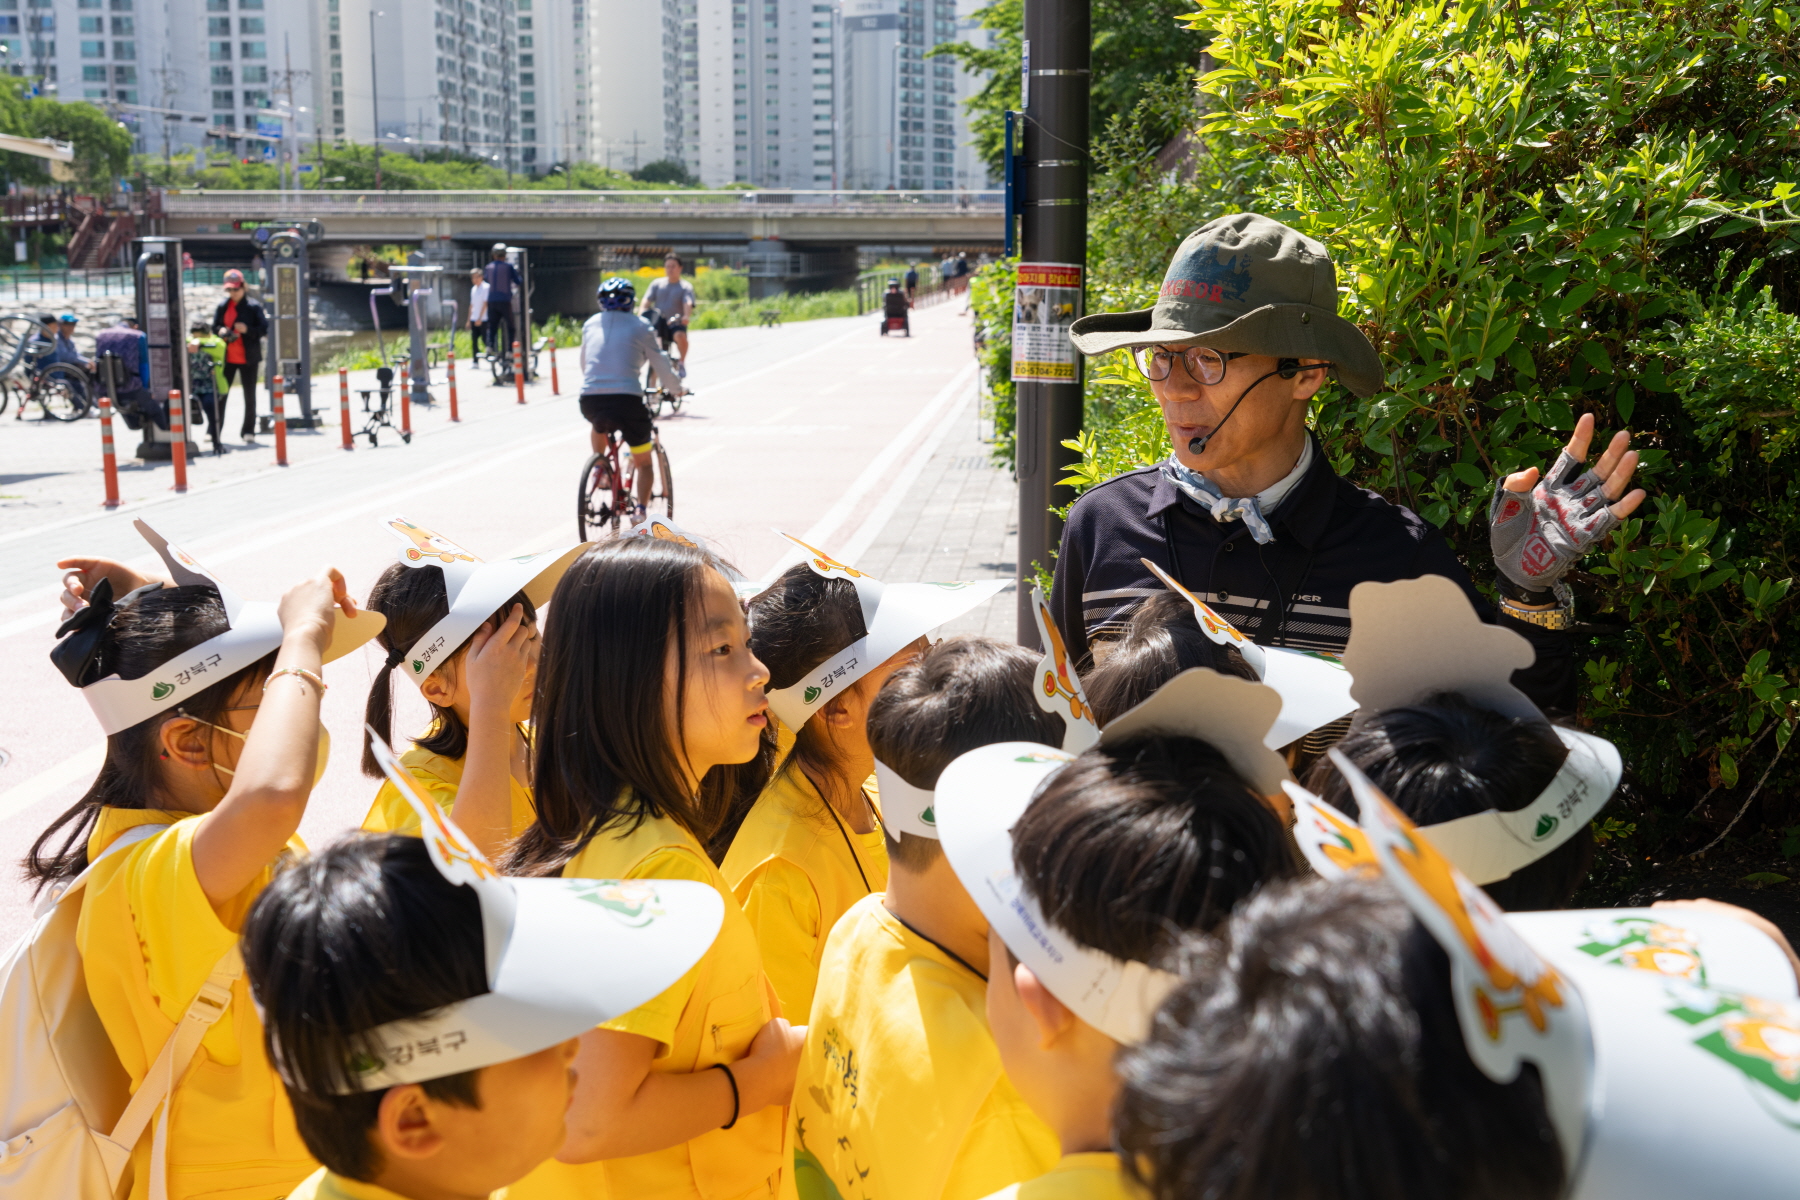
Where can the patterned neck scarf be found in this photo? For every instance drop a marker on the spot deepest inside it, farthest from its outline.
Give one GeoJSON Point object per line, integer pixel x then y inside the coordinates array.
{"type": "Point", "coordinates": [1248, 509]}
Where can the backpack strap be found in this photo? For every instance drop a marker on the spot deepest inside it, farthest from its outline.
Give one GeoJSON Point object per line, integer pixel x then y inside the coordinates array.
{"type": "Point", "coordinates": [171, 1066]}
{"type": "Point", "coordinates": [130, 837]}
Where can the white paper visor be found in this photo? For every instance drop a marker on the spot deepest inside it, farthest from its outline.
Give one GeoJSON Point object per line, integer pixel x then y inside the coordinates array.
{"type": "Point", "coordinates": [581, 951]}
{"type": "Point", "coordinates": [488, 586]}
{"type": "Point", "coordinates": [979, 798]}
{"type": "Point", "coordinates": [905, 808]}
{"type": "Point", "coordinates": [905, 613]}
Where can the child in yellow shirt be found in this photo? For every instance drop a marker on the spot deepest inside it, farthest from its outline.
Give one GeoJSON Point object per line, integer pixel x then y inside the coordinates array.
{"type": "Point", "coordinates": [210, 705]}
{"type": "Point", "coordinates": [466, 633]}
{"type": "Point", "coordinates": [812, 845]}
{"type": "Point", "coordinates": [1089, 869]}
{"type": "Point", "coordinates": [650, 698]}
{"type": "Point", "coordinates": [900, 1093]}
{"type": "Point", "coordinates": [371, 964]}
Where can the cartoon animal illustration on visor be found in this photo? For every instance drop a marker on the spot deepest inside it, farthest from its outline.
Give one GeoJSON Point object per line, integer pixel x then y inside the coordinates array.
{"type": "Point", "coordinates": [427, 544]}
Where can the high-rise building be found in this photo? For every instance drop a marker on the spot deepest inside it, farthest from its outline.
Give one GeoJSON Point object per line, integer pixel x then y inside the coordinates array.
{"type": "Point", "coordinates": [633, 80]}
{"type": "Point", "coordinates": [765, 97]}
{"type": "Point", "coordinates": [902, 121]}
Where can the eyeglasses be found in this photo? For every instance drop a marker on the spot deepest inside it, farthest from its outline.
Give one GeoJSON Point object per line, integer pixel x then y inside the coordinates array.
{"type": "Point", "coordinates": [1203, 363]}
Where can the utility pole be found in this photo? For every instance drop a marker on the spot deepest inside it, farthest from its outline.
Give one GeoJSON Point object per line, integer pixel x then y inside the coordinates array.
{"type": "Point", "coordinates": [634, 143]}
{"type": "Point", "coordinates": [374, 98]}
{"type": "Point", "coordinates": [1058, 38]}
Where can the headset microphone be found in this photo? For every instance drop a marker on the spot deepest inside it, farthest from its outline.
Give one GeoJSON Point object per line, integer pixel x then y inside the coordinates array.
{"type": "Point", "coordinates": [1287, 368]}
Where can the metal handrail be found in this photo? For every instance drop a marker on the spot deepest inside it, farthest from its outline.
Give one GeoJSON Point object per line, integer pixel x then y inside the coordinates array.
{"type": "Point", "coordinates": [306, 205]}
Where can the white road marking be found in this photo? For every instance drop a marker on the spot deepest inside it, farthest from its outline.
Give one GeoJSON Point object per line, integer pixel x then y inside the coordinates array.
{"type": "Point", "coordinates": [85, 762]}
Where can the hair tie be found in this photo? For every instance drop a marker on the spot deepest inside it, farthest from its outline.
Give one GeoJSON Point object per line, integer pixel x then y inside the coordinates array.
{"type": "Point", "coordinates": [82, 637]}
{"type": "Point", "coordinates": [396, 656]}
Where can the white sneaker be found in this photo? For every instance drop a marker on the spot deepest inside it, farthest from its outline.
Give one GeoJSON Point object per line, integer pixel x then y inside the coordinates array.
{"type": "Point", "coordinates": [680, 369]}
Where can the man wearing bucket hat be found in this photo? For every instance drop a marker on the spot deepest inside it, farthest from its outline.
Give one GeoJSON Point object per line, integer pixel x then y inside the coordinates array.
{"type": "Point", "coordinates": [240, 321]}
{"type": "Point", "coordinates": [1248, 513]}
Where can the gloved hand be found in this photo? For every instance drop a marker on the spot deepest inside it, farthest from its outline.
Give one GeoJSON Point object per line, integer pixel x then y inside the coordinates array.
{"type": "Point", "coordinates": [1539, 527]}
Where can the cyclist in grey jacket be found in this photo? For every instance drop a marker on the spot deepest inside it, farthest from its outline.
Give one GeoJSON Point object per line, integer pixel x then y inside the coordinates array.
{"type": "Point", "coordinates": [615, 345]}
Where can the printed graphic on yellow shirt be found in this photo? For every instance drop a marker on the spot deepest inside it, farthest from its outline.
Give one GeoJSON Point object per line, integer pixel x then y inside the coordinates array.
{"type": "Point", "coordinates": [841, 1091]}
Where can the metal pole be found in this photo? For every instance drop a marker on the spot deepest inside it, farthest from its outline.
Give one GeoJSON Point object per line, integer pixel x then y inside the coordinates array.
{"type": "Point", "coordinates": [1057, 42]}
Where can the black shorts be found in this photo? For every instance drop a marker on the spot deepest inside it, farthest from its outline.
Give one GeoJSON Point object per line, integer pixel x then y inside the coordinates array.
{"type": "Point", "coordinates": [668, 327]}
{"type": "Point", "coordinates": [625, 413]}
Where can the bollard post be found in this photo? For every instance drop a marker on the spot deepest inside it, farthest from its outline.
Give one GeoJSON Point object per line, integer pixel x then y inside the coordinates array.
{"type": "Point", "coordinates": [519, 370]}
{"type": "Point", "coordinates": [344, 406]}
{"type": "Point", "coordinates": [107, 458]}
{"type": "Point", "coordinates": [279, 407]}
{"type": "Point", "coordinates": [178, 430]}
{"type": "Point", "coordinates": [406, 399]}
{"type": "Point", "coordinates": [555, 379]}
{"type": "Point", "coordinates": [450, 365]}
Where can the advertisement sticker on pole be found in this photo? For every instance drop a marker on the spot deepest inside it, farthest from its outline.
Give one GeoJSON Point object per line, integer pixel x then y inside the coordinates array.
{"type": "Point", "coordinates": [1046, 303]}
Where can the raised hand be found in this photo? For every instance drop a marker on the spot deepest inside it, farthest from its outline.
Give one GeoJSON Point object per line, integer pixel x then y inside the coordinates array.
{"type": "Point", "coordinates": [1541, 524]}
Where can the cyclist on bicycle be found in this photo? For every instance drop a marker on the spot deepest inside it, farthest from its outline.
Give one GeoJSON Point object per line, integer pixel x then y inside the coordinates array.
{"type": "Point", "coordinates": [615, 345]}
{"type": "Point", "coordinates": [670, 302]}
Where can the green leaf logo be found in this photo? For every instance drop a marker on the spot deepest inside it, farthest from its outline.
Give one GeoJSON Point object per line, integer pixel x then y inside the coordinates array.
{"type": "Point", "coordinates": [417, 666]}
{"type": "Point", "coordinates": [1546, 826]}
{"type": "Point", "coordinates": [161, 690]}
{"type": "Point", "coordinates": [929, 816]}
{"type": "Point", "coordinates": [811, 694]}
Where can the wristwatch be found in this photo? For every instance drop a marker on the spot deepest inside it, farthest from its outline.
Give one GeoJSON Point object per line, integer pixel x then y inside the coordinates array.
{"type": "Point", "coordinates": [1514, 598]}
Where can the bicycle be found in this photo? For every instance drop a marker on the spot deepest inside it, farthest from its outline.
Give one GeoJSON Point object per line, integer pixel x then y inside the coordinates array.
{"type": "Point", "coordinates": [666, 339]}
{"type": "Point", "coordinates": [656, 396]}
{"type": "Point", "coordinates": [608, 489]}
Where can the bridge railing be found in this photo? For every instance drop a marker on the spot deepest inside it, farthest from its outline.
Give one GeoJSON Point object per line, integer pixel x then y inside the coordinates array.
{"type": "Point", "coordinates": [323, 203]}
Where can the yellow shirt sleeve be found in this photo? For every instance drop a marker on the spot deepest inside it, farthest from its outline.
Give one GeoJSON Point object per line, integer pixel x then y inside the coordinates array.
{"type": "Point", "coordinates": [657, 1019]}
{"type": "Point", "coordinates": [783, 908]}
{"type": "Point", "coordinates": [390, 813]}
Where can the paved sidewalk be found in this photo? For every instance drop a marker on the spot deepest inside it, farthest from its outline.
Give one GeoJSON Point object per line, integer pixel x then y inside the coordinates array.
{"type": "Point", "coordinates": [959, 520]}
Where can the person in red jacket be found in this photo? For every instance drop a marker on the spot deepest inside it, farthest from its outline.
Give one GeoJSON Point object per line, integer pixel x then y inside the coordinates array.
{"type": "Point", "coordinates": [240, 322]}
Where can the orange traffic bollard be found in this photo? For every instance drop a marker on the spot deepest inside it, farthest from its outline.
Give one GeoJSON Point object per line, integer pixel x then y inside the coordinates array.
{"type": "Point", "coordinates": [178, 431]}
{"type": "Point", "coordinates": [519, 370]}
{"type": "Point", "coordinates": [450, 366]}
{"type": "Point", "coordinates": [406, 399]}
{"type": "Point", "coordinates": [107, 458]}
{"type": "Point", "coordinates": [555, 379]}
{"type": "Point", "coordinates": [344, 406]}
{"type": "Point", "coordinates": [279, 408]}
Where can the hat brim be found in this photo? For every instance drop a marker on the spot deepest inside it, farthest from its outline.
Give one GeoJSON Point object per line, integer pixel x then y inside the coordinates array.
{"type": "Point", "coordinates": [1279, 330]}
{"type": "Point", "coordinates": [488, 586]}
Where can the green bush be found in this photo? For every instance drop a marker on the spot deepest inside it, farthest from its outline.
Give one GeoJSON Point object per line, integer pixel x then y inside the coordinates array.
{"type": "Point", "coordinates": [1539, 211]}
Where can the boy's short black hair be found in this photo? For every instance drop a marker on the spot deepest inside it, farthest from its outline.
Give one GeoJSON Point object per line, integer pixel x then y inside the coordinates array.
{"type": "Point", "coordinates": [1160, 641]}
{"type": "Point", "coordinates": [1313, 1049]}
{"type": "Point", "coordinates": [960, 695]}
{"type": "Point", "coordinates": [1134, 844]}
{"type": "Point", "coordinates": [1445, 758]}
{"type": "Point", "coordinates": [364, 932]}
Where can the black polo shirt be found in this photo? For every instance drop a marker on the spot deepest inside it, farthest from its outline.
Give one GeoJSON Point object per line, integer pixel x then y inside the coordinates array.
{"type": "Point", "coordinates": [1330, 535]}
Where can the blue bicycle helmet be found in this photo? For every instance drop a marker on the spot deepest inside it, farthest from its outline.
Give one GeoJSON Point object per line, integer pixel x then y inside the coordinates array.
{"type": "Point", "coordinates": [616, 294]}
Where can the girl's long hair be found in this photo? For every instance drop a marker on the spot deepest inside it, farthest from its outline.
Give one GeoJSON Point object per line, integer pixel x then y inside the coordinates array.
{"type": "Point", "coordinates": [413, 599]}
{"type": "Point", "coordinates": [607, 755]}
{"type": "Point", "coordinates": [147, 629]}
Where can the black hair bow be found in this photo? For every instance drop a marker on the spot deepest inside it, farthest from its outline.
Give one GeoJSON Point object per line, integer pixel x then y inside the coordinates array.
{"type": "Point", "coordinates": [82, 638]}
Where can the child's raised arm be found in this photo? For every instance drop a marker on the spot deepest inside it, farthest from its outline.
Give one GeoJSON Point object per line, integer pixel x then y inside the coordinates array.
{"type": "Point", "coordinates": [622, 1107]}
{"type": "Point", "coordinates": [274, 774]}
{"type": "Point", "coordinates": [497, 662]}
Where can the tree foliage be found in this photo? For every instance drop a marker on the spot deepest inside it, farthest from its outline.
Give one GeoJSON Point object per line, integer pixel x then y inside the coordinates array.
{"type": "Point", "coordinates": [351, 167]}
{"type": "Point", "coordinates": [102, 146]}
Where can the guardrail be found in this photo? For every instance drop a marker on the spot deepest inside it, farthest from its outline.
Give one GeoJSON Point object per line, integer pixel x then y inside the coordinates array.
{"type": "Point", "coordinates": [23, 284]}
{"type": "Point", "coordinates": [325, 203]}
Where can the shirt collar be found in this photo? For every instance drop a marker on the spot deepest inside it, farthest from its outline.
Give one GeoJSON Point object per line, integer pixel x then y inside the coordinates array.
{"type": "Point", "coordinates": [1305, 509]}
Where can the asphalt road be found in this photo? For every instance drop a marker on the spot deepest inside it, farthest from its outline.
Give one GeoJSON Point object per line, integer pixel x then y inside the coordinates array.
{"type": "Point", "coordinates": [817, 428]}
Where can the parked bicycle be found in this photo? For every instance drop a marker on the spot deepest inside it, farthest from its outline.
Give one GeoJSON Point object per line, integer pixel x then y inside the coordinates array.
{"type": "Point", "coordinates": [608, 490]}
{"type": "Point", "coordinates": [62, 391]}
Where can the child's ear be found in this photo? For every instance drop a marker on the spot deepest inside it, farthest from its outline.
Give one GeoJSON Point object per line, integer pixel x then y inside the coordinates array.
{"type": "Point", "coordinates": [185, 742]}
{"type": "Point", "coordinates": [1052, 1018]}
{"type": "Point", "coordinates": [439, 687]}
{"type": "Point", "coordinates": [403, 1125]}
{"type": "Point", "coordinates": [836, 713]}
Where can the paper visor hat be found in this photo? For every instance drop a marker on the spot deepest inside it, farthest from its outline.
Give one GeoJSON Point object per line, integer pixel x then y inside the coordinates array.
{"type": "Point", "coordinates": [895, 615]}
{"type": "Point", "coordinates": [475, 589]}
{"type": "Point", "coordinates": [563, 955]}
{"type": "Point", "coordinates": [1660, 1078]}
{"type": "Point", "coordinates": [254, 632]}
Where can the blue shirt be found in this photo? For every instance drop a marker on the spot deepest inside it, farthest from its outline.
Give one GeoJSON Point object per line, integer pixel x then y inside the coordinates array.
{"type": "Point", "coordinates": [614, 348]}
{"type": "Point", "coordinates": [501, 278]}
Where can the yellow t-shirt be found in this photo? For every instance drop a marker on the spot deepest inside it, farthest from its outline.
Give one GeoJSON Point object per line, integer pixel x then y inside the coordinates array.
{"type": "Point", "coordinates": [796, 870]}
{"type": "Point", "coordinates": [148, 938]}
{"type": "Point", "coordinates": [707, 1016]}
{"type": "Point", "coordinates": [900, 1094]}
{"type": "Point", "coordinates": [1096, 1175]}
{"type": "Point", "coordinates": [440, 778]}
{"type": "Point", "coordinates": [324, 1185]}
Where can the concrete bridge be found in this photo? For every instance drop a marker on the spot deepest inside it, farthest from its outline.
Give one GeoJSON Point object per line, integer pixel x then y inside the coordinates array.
{"type": "Point", "coordinates": [785, 239]}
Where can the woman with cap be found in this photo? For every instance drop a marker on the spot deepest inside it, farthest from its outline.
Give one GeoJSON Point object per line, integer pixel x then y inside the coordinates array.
{"type": "Point", "coordinates": [1248, 513]}
{"type": "Point", "coordinates": [239, 320]}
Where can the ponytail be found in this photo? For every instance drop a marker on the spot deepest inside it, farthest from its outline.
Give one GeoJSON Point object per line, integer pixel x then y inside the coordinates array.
{"type": "Point", "coordinates": [378, 713]}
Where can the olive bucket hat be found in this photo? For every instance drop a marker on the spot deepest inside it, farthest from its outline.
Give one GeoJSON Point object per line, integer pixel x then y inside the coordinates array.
{"type": "Point", "coordinates": [1249, 284]}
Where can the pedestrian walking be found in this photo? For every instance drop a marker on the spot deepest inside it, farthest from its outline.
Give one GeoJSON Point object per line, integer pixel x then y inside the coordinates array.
{"type": "Point", "coordinates": [241, 324]}
{"type": "Point", "coordinates": [478, 314]}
